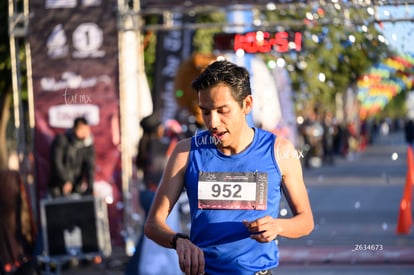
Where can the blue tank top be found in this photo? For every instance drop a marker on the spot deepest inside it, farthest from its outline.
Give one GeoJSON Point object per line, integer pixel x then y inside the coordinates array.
{"type": "Point", "coordinates": [220, 233]}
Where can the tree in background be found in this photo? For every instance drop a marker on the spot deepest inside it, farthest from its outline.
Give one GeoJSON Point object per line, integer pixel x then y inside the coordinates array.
{"type": "Point", "coordinates": [5, 83]}
{"type": "Point", "coordinates": [340, 44]}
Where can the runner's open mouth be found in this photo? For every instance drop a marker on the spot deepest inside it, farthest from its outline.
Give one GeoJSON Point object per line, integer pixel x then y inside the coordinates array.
{"type": "Point", "coordinates": [219, 135]}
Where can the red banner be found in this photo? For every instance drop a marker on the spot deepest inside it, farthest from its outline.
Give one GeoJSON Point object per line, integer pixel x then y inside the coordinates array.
{"type": "Point", "coordinates": [75, 72]}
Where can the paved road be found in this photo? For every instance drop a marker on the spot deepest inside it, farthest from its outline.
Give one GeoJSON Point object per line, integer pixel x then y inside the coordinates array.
{"type": "Point", "coordinates": [355, 205]}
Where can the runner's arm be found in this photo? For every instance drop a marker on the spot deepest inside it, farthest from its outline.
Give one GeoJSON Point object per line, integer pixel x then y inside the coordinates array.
{"type": "Point", "coordinates": [302, 223]}
{"type": "Point", "coordinates": [167, 194]}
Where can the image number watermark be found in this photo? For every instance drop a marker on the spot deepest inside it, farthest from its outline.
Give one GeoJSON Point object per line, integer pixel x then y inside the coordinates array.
{"type": "Point", "coordinates": [368, 247]}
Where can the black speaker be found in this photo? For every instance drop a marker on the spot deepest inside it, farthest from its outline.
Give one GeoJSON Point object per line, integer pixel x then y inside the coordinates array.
{"type": "Point", "coordinates": [75, 226]}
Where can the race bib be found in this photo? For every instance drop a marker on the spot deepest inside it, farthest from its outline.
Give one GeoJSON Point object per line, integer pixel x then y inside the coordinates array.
{"type": "Point", "coordinates": [232, 190]}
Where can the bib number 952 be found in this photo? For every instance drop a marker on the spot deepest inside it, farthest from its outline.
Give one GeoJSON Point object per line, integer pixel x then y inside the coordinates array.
{"type": "Point", "coordinates": [245, 191]}
{"type": "Point", "coordinates": [226, 190]}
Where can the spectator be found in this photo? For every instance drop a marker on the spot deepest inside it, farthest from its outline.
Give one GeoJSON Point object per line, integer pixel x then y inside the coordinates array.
{"type": "Point", "coordinates": [154, 148]}
{"type": "Point", "coordinates": [17, 230]}
{"type": "Point", "coordinates": [73, 161]}
{"type": "Point", "coordinates": [328, 138]}
{"type": "Point", "coordinates": [409, 132]}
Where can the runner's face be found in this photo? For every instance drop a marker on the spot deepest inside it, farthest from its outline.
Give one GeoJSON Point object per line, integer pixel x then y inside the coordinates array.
{"type": "Point", "coordinates": [223, 116]}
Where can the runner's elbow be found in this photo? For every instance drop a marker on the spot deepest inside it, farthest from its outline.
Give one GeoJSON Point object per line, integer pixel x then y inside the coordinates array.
{"type": "Point", "coordinates": [306, 227]}
{"type": "Point", "coordinates": [148, 229]}
{"type": "Point", "coordinates": [310, 225]}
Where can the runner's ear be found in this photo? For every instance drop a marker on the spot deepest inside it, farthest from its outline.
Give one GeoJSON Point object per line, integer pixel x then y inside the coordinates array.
{"type": "Point", "coordinates": [248, 104]}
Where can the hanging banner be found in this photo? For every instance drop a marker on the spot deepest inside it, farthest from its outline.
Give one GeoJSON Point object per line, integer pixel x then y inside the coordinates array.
{"type": "Point", "coordinates": [74, 45]}
{"type": "Point", "coordinates": [172, 48]}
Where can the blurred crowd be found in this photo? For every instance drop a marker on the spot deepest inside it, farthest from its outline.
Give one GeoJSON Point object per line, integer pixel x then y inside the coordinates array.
{"type": "Point", "coordinates": [323, 137]}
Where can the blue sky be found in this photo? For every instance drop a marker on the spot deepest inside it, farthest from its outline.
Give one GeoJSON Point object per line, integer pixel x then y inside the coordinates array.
{"type": "Point", "coordinates": [400, 35]}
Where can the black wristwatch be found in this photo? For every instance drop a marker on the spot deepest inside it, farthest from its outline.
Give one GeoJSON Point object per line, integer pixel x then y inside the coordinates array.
{"type": "Point", "coordinates": [176, 237]}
